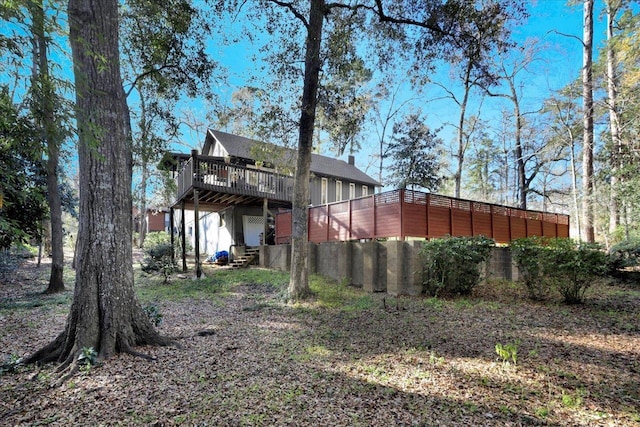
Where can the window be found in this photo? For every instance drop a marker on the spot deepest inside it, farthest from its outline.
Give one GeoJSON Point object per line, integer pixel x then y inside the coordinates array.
{"type": "Point", "coordinates": [365, 190]}
{"type": "Point", "coordinates": [323, 191]}
{"type": "Point", "coordinates": [352, 191]}
{"type": "Point", "coordinates": [338, 191]}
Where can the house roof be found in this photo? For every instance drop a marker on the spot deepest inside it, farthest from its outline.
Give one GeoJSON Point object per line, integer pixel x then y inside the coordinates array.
{"type": "Point", "coordinates": [239, 146]}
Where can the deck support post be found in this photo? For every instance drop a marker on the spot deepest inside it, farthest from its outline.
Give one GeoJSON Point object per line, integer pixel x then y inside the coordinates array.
{"type": "Point", "coordinates": [173, 245]}
{"type": "Point", "coordinates": [196, 228]}
{"type": "Point", "coordinates": [265, 226]}
{"type": "Point", "coordinates": [183, 225]}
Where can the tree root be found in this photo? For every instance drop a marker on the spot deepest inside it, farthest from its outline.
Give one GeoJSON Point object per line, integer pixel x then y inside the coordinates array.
{"type": "Point", "coordinates": [65, 374]}
{"type": "Point", "coordinates": [134, 353]}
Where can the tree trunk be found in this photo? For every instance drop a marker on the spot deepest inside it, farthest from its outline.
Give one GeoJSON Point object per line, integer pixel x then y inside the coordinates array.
{"type": "Point", "coordinates": [462, 141]}
{"type": "Point", "coordinates": [144, 169]}
{"type": "Point", "coordinates": [105, 314]}
{"type": "Point", "coordinates": [143, 206]}
{"type": "Point", "coordinates": [587, 144]}
{"type": "Point", "coordinates": [299, 282]}
{"type": "Point", "coordinates": [519, 152]}
{"type": "Point", "coordinates": [47, 124]}
{"type": "Point", "coordinates": [614, 121]}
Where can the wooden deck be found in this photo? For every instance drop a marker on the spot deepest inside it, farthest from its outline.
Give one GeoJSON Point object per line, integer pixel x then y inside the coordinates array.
{"type": "Point", "coordinates": [218, 184]}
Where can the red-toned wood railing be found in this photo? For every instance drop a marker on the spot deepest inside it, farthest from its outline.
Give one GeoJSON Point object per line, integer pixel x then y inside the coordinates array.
{"type": "Point", "coordinates": [406, 213]}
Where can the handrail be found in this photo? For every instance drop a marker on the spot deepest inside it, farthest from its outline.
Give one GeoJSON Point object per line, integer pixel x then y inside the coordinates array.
{"type": "Point", "coordinates": [214, 174]}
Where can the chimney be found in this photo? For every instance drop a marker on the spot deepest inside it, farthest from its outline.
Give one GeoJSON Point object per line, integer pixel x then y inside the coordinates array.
{"type": "Point", "coordinates": [352, 160]}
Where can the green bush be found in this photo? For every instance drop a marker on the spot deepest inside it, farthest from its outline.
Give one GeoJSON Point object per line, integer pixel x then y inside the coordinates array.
{"type": "Point", "coordinates": [156, 238]}
{"type": "Point", "coordinates": [624, 254]}
{"type": "Point", "coordinates": [154, 314]}
{"type": "Point", "coordinates": [573, 267]}
{"type": "Point", "coordinates": [452, 265]}
{"type": "Point", "coordinates": [560, 264]}
{"type": "Point", "coordinates": [158, 251]}
{"type": "Point", "coordinates": [528, 253]}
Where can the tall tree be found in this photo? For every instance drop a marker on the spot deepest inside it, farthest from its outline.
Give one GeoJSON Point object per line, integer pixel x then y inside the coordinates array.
{"type": "Point", "coordinates": [614, 116]}
{"type": "Point", "coordinates": [417, 153]}
{"type": "Point", "coordinates": [22, 175]}
{"type": "Point", "coordinates": [565, 126]}
{"type": "Point", "coordinates": [435, 27]}
{"type": "Point", "coordinates": [471, 63]}
{"type": "Point", "coordinates": [51, 130]}
{"type": "Point", "coordinates": [165, 60]}
{"type": "Point", "coordinates": [299, 281]}
{"type": "Point", "coordinates": [105, 314]}
{"type": "Point", "coordinates": [485, 165]}
{"type": "Point", "coordinates": [384, 117]}
{"type": "Point", "coordinates": [587, 137]}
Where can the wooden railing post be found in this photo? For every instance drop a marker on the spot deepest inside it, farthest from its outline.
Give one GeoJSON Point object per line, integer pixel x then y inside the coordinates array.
{"type": "Point", "coordinates": [195, 166]}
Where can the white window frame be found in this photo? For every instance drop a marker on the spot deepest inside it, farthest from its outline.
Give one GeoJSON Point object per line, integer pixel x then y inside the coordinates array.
{"type": "Point", "coordinates": [352, 191]}
{"type": "Point", "coordinates": [324, 187]}
{"type": "Point", "coordinates": [338, 191]}
{"type": "Point", "coordinates": [365, 190]}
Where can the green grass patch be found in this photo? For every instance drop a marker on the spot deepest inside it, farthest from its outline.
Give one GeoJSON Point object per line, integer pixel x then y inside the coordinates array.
{"type": "Point", "coordinates": [334, 295]}
{"type": "Point", "coordinates": [37, 300]}
{"type": "Point", "coordinates": [153, 288]}
{"type": "Point", "coordinates": [213, 286]}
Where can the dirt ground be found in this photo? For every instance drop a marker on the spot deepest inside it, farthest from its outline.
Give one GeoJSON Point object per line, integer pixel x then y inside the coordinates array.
{"type": "Point", "coordinates": [372, 361]}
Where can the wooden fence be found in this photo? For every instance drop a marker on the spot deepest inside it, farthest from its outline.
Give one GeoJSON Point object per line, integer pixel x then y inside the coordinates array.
{"type": "Point", "coordinates": [406, 213]}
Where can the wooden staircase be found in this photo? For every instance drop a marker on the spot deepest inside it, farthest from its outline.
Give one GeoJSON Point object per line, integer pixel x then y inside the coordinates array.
{"type": "Point", "coordinates": [243, 261]}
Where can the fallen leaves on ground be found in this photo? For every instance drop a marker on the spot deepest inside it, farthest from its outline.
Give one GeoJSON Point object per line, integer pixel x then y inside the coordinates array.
{"type": "Point", "coordinates": [265, 362]}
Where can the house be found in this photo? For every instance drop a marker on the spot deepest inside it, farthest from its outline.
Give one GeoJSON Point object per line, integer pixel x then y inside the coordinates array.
{"type": "Point", "coordinates": [227, 195]}
{"type": "Point", "coordinates": [155, 220]}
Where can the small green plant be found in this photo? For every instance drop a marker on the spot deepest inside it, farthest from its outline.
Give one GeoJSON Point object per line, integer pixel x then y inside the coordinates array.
{"type": "Point", "coordinates": [452, 265]}
{"type": "Point", "coordinates": [542, 412]}
{"type": "Point", "coordinates": [87, 358]}
{"type": "Point", "coordinates": [10, 364]}
{"type": "Point", "coordinates": [508, 352]}
{"type": "Point", "coordinates": [153, 312]}
{"type": "Point", "coordinates": [573, 400]}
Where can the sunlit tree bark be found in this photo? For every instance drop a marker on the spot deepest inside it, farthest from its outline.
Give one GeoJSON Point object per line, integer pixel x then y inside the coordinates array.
{"type": "Point", "coordinates": [105, 314]}
{"type": "Point", "coordinates": [587, 139]}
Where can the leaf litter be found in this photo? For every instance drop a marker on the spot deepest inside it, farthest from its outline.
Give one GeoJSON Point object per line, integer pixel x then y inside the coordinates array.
{"type": "Point", "coordinates": [252, 359]}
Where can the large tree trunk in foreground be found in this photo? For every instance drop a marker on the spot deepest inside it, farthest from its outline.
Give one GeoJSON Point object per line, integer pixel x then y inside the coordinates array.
{"type": "Point", "coordinates": [105, 314]}
{"type": "Point", "coordinates": [299, 281]}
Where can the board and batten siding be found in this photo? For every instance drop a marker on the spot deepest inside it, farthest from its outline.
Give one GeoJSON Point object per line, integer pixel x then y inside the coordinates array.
{"type": "Point", "coordinates": [315, 190]}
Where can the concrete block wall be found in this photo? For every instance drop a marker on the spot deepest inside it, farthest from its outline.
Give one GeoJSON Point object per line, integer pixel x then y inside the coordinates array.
{"type": "Point", "coordinates": [393, 266]}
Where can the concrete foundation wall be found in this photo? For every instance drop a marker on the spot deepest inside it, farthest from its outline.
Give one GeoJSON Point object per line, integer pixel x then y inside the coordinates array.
{"type": "Point", "coordinates": [393, 267]}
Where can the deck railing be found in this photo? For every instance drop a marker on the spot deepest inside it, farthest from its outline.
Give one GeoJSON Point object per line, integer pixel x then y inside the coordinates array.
{"type": "Point", "coordinates": [405, 213]}
{"type": "Point", "coordinates": [208, 173]}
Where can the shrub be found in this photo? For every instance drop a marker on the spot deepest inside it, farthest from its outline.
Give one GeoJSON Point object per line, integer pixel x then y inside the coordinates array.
{"type": "Point", "coordinates": [153, 312]}
{"type": "Point", "coordinates": [158, 251]}
{"type": "Point", "coordinates": [572, 267]}
{"type": "Point", "coordinates": [561, 264]}
{"type": "Point", "coordinates": [452, 265]}
{"type": "Point", "coordinates": [624, 254]}
{"type": "Point", "coordinates": [528, 253]}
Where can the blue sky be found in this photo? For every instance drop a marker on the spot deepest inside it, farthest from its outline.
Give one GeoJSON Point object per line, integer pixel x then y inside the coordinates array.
{"type": "Point", "coordinates": [561, 61]}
